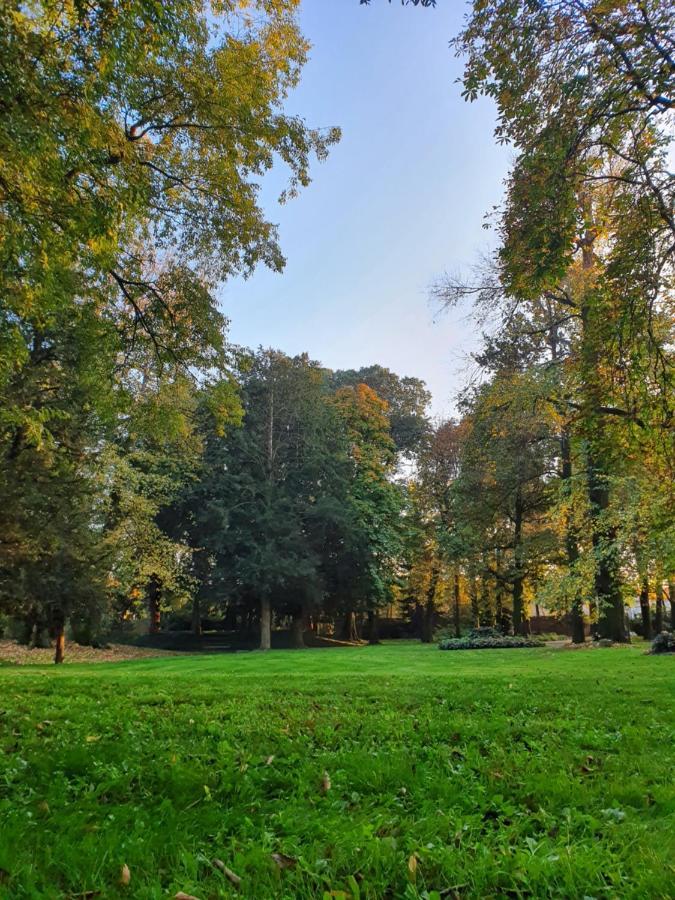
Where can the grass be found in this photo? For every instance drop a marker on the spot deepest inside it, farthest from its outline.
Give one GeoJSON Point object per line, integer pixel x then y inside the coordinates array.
{"type": "Point", "coordinates": [525, 773]}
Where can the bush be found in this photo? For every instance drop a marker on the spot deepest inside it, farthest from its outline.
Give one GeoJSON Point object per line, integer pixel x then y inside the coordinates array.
{"type": "Point", "coordinates": [663, 643]}
{"type": "Point", "coordinates": [488, 639]}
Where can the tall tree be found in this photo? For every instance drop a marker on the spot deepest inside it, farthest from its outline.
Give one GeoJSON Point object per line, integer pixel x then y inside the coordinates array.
{"type": "Point", "coordinates": [374, 504]}
{"type": "Point", "coordinates": [588, 213]}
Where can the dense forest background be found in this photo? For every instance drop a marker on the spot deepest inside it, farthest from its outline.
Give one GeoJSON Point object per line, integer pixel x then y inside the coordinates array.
{"type": "Point", "coordinates": [151, 471]}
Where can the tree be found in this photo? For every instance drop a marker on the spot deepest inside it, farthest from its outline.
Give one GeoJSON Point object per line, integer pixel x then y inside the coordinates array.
{"type": "Point", "coordinates": [372, 544]}
{"type": "Point", "coordinates": [432, 544]}
{"type": "Point", "coordinates": [130, 141]}
{"type": "Point", "coordinates": [407, 401]}
{"type": "Point", "coordinates": [586, 220]}
{"type": "Point", "coordinates": [271, 488]}
{"type": "Point", "coordinates": [502, 490]}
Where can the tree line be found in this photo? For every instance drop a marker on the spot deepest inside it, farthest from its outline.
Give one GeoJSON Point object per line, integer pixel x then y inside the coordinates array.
{"type": "Point", "coordinates": [579, 362]}
{"type": "Point", "coordinates": [148, 464]}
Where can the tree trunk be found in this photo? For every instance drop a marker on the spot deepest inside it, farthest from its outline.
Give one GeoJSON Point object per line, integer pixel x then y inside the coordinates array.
{"type": "Point", "coordinates": [571, 546]}
{"type": "Point", "coordinates": [660, 605]}
{"type": "Point", "coordinates": [265, 602]}
{"type": "Point", "coordinates": [230, 618]}
{"type": "Point", "coordinates": [153, 593]}
{"type": "Point", "coordinates": [349, 631]}
{"type": "Point", "coordinates": [428, 619]}
{"type": "Point", "coordinates": [428, 623]}
{"type": "Point", "coordinates": [517, 601]}
{"type": "Point", "coordinates": [610, 605]}
{"type": "Point", "coordinates": [517, 584]}
{"type": "Point", "coordinates": [500, 621]}
{"type": "Point", "coordinates": [645, 612]}
{"type": "Point", "coordinates": [59, 632]}
{"type": "Point", "coordinates": [373, 627]}
{"type": "Point", "coordinates": [265, 623]}
{"type": "Point", "coordinates": [486, 612]}
{"type": "Point", "coordinates": [671, 600]}
{"type": "Point", "coordinates": [298, 629]}
{"type": "Point", "coordinates": [608, 597]}
{"type": "Point", "coordinates": [196, 617]}
{"type": "Point", "coordinates": [473, 598]}
{"type": "Point", "coordinates": [499, 608]}
{"type": "Point", "coordinates": [456, 601]}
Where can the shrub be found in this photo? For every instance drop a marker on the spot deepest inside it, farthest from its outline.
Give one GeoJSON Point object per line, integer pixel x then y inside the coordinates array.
{"type": "Point", "coordinates": [488, 639]}
{"type": "Point", "coordinates": [663, 643]}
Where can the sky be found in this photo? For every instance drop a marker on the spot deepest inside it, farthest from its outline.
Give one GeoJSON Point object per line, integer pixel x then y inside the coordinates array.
{"type": "Point", "coordinates": [401, 199]}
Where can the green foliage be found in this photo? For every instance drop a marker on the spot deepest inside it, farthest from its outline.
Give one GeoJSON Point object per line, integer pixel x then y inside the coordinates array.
{"type": "Point", "coordinates": [297, 506]}
{"type": "Point", "coordinates": [407, 400]}
{"type": "Point", "coordinates": [663, 643]}
{"type": "Point", "coordinates": [542, 772]}
{"type": "Point", "coordinates": [131, 144]}
{"type": "Point", "coordinates": [580, 290]}
{"type": "Point", "coordinates": [486, 638]}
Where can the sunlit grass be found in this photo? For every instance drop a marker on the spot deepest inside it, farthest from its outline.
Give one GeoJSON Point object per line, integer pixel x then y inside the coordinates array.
{"type": "Point", "coordinates": [524, 773]}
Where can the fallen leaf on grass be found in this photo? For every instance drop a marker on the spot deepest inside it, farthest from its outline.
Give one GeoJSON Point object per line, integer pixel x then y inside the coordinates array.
{"type": "Point", "coordinates": [412, 866]}
{"type": "Point", "coordinates": [269, 760]}
{"type": "Point", "coordinates": [181, 896]}
{"type": "Point", "coordinates": [283, 861]}
{"type": "Point", "coordinates": [92, 738]}
{"type": "Point", "coordinates": [325, 783]}
{"type": "Point", "coordinates": [228, 873]}
{"type": "Point", "coordinates": [125, 875]}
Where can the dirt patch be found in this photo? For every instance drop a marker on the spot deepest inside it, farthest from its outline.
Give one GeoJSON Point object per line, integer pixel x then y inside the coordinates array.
{"type": "Point", "coordinates": [11, 652]}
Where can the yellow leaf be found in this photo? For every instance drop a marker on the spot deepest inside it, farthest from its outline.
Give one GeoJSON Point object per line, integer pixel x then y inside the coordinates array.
{"type": "Point", "coordinates": [412, 866]}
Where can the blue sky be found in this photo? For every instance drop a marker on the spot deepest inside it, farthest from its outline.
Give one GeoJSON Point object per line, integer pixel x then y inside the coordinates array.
{"type": "Point", "coordinates": [401, 199]}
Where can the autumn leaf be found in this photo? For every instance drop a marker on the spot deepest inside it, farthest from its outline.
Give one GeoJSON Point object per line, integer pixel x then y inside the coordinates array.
{"type": "Point", "coordinates": [125, 875]}
{"type": "Point", "coordinates": [182, 896]}
{"type": "Point", "coordinates": [325, 783]}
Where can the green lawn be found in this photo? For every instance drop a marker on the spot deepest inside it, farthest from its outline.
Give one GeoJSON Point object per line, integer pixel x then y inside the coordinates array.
{"type": "Point", "coordinates": [506, 773]}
